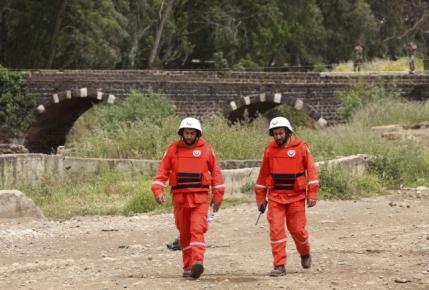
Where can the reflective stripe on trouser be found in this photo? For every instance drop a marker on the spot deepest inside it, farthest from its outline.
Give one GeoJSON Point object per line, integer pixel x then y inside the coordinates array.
{"type": "Point", "coordinates": [294, 214]}
{"type": "Point", "coordinates": [192, 225]}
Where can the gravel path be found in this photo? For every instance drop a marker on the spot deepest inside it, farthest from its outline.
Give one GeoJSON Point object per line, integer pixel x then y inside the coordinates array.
{"type": "Point", "coordinates": [373, 243]}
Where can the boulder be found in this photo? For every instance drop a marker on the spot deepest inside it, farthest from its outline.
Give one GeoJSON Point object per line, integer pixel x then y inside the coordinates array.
{"type": "Point", "coordinates": [12, 149]}
{"type": "Point", "coordinates": [15, 204]}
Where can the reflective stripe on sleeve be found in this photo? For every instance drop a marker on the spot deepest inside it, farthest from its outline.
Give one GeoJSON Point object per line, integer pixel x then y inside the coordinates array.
{"type": "Point", "coordinates": [260, 186]}
{"type": "Point", "coordinates": [159, 183]}
{"type": "Point", "coordinates": [219, 186]}
{"type": "Point", "coordinates": [313, 182]}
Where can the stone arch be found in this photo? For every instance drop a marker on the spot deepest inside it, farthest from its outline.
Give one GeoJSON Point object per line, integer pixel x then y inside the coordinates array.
{"type": "Point", "coordinates": [56, 116]}
{"type": "Point", "coordinates": [264, 101]}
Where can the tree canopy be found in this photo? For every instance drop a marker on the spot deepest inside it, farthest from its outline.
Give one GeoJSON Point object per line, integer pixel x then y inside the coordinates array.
{"type": "Point", "coordinates": [71, 34]}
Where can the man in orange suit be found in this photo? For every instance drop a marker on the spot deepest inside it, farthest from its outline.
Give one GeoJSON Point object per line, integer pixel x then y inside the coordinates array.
{"type": "Point", "coordinates": [192, 169]}
{"type": "Point", "coordinates": [287, 180]}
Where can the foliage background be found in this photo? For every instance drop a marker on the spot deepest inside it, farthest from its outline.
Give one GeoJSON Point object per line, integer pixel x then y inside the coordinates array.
{"type": "Point", "coordinates": [220, 33]}
{"type": "Point", "coordinates": [17, 105]}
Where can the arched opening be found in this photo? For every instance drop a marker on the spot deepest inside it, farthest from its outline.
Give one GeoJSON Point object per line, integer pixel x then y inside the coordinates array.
{"type": "Point", "coordinates": [249, 107]}
{"type": "Point", "coordinates": [250, 112]}
{"type": "Point", "coordinates": [51, 127]}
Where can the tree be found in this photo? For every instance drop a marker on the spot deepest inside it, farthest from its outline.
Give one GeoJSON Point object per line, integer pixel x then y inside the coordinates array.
{"type": "Point", "coordinates": [163, 17]}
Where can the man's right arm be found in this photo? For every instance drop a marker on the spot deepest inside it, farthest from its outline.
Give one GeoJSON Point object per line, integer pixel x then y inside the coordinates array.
{"type": "Point", "coordinates": [161, 177]}
{"type": "Point", "coordinates": [261, 186]}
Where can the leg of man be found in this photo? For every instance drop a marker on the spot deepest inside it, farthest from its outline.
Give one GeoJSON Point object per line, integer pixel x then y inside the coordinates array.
{"type": "Point", "coordinates": [182, 216]}
{"type": "Point", "coordinates": [296, 221]}
{"type": "Point", "coordinates": [198, 228]}
{"type": "Point", "coordinates": [276, 218]}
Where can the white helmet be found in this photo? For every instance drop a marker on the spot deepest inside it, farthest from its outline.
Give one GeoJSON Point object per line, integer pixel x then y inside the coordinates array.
{"type": "Point", "coordinates": [279, 122]}
{"type": "Point", "coordinates": [190, 123]}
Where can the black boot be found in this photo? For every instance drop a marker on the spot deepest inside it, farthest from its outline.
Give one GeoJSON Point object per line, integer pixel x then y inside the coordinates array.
{"type": "Point", "coordinates": [196, 270]}
{"type": "Point", "coordinates": [174, 246]}
{"type": "Point", "coordinates": [306, 261]}
{"type": "Point", "coordinates": [278, 271]}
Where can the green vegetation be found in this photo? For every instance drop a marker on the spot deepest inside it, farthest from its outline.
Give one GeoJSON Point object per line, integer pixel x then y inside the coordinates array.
{"type": "Point", "coordinates": [393, 163]}
{"type": "Point", "coordinates": [357, 96]}
{"type": "Point", "coordinates": [16, 104]}
{"type": "Point", "coordinates": [105, 193]}
{"type": "Point", "coordinates": [254, 34]}
{"type": "Point", "coordinates": [142, 127]}
{"type": "Point", "coordinates": [382, 65]}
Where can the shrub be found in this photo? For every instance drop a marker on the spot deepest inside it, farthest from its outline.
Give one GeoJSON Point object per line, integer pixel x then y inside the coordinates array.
{"type": "Point", "coordinates": [142, 201]}
{"type": "Point", "coordinates": [335, 183]}
{"type": "Point", "coordinates": [402, 64]}
{"type": "Point", "coordinates": [17, 105]}
{"type": "Point", "coordinates": [404, 164]}
{"type": "Point", "coordinates": [297, 118]}
{"type": "Point", "coordinates": [357, 96]}
{"type": "Point", "coordinates": [140, 127]}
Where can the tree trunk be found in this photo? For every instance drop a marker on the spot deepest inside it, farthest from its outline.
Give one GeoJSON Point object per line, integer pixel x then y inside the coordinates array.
{"type": "Point", "coordinates": [53, 46]}
{"type": "Point", "coordinates": [159, 30]}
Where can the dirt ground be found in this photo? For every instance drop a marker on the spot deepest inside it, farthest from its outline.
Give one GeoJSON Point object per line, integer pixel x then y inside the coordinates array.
{"type": "Point", "coordinates": [373, 243]}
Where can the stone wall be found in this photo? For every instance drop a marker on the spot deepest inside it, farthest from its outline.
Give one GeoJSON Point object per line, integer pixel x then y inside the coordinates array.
{"type": "Point", "coordinates": [202, 93]}
{"type": "Point", "coordinates": [63, 96]}
{"type": "Point", "coordinates": [33, 168]}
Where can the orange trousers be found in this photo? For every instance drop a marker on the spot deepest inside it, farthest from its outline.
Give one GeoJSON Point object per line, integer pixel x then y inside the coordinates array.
{"type": "Point", "coordinates": [294, 214]}
{"type": "Point", "coordinates": [192, 225]}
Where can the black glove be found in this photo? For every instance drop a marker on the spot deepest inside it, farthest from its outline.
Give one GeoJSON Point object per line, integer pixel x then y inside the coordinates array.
{"type": "Point", "coordinates": [262, 207]}
{"type": "Point", "coordinates": [216, 206]}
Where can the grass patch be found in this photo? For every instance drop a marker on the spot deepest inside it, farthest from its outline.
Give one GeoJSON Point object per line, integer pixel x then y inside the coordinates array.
{"type": "Point", "coordinates": [106, 193]}
{"type": "Point", "coordinates": [233, 201]}
{"type": "Point", "coordinates": [337, 183]}
{"type": "Point", "coordinates": [381, 65]}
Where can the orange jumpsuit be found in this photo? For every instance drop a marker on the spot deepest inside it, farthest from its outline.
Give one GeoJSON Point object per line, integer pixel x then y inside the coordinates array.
{"type": "Point", "coordinates": [191, 171]}
{"type": "Point", "coordinates": [288, 176]}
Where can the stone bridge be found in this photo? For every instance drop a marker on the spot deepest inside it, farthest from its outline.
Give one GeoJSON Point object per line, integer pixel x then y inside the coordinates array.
{"type": "Point", "coordinates": [63, 96]}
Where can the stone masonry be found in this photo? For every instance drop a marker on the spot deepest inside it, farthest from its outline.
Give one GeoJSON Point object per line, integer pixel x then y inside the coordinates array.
{"type": "Point", "coordinates": [63, 96]}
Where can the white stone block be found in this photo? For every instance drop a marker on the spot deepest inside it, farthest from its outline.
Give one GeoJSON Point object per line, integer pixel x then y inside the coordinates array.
{"type": "Point", "coordinates": [322, 122]}
{"type": "Point", "coordinates": [299, 104]}
{"type": "Point", "coordinates": [99, 95]}
{"type": "Point", "coordinates": [262, 97]}
{"type": "Point", "coordinates": [41, 108]}
{"type": "Point", "coordinates": [247, 100]}
{"type": "Point", "coordinates": [277, 98]}
{"type": "Point", "coordinates": [55, 98]}
{"type": "Point", "coordinates": [84, 92]}
{"type": "Point", "coordinates": [68, 94]}
{"type": "Point", "coordinates": [111, 99]}
{"type": "Point", "coordinates": [233, 105]}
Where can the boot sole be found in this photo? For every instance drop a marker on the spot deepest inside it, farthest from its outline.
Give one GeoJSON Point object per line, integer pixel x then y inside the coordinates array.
{"type": "Point", "coordinates": [277, 274]}
{"type": "Point", "coordinates": [197, 270]}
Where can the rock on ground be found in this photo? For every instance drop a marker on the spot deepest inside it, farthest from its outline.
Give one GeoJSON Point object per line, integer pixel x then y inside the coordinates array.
{"type": "Point", "coordinates": [15, 204]}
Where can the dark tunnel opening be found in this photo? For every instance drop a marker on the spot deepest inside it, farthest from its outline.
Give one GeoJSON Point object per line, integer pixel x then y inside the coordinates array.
{"type": "Point", "coordinates": [51, 127]}
{"type": "Point", "coordinates": [250, 112]}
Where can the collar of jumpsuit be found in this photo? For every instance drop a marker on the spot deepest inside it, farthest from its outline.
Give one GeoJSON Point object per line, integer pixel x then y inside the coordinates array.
{"type": "Point", "coordinates": [198, 143]}
{"type": "Point", "coordinates": [291, 142]}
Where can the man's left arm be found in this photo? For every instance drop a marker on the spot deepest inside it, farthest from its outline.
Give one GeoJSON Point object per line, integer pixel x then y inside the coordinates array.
{"type": "Point", "coordinates": [218, 185]}
{"type": "Point", "coordinates": [312, 177]}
